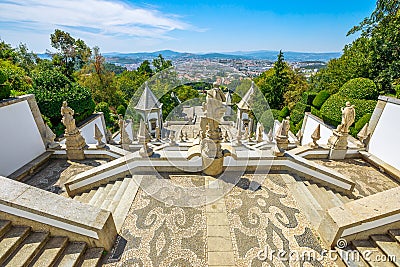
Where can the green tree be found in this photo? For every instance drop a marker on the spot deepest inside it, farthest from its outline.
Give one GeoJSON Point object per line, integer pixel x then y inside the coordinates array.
{"type": "Point", "coordinates": [100, 82]}
{"type": "Point", "coordinates": [161, 64]}
{"type": "Point", "coordinates": [72, 54]}
{"type": "Point", "coordinates": [145, 68]}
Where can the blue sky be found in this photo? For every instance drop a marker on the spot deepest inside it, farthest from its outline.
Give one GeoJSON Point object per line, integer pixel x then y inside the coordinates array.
{"type": "Point", "coordinates": [186, 25]}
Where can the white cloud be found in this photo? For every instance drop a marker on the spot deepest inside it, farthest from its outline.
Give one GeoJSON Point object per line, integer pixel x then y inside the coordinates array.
{"type": "Point", "coordinates": [93, 17]}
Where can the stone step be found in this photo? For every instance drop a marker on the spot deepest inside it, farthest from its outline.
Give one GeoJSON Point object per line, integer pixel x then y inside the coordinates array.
{"type": "Point", "coordinates": [365, 247]}
{"type": "Point", "coordinates": [28, 249]}
{"type": "Point", "coordinates": [351, 257]}
{"type": "Point", "coordinates": [4, 227]}
{"type": "Point", "coordinates": [343, 198]}
{"type": "Point", "coordinates": [51, 252]}
{"type": "Point", "coordinates": [118, 195]}
{"type": "Point", "coordinates": [389, 246]}
{"type": "Point", "coordinates": [92, 257]}
{"type": "Point", "coordinates": [102, 197]}
{"type": "Point", "coordinates": [11, 240]}
{"type": "Point", "coordinates": [336, 200]}
{"type": "Point", "coordinates": [395, 233]}
{"type": "Point", "coordinates": [312, 210]}
{"type": "Point", "coordinates": [72, 254]}
{"type": "Point", "coordinates": [111, 194]}
{"type": "Point", "coordinates": [98, 193]}
{"type": "Point", "coordinates": [120, 212]}
{"type": "Point", "coordinates": [324, 199]}
{"type": "Point", "coordinates": [86, 197]}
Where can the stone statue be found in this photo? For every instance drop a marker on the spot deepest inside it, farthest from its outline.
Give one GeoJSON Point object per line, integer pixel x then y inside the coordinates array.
{"type": "Point", "coordinates": [74, 142]}
{"type": "Point", "coordinates": [338, 141]}
{"type": "Point", "coordinates": [158, 133]}
{"type": "Point", "coordinates": [246, 133]}
{"type": "Point", "coordinates": [68, 118]}
{"type": "Point", "coordinates": [226, 137]}
{"type": "Point", "coordinates": [283, 130]}
{"type": "Point", "coordinates": [260, 130]}
{"type": "Point", "coordinates": [181, 137]}
{"type": "Point", "coordinates": [172, 138]}
{"type": "Point", "coordinates": [348, 116]}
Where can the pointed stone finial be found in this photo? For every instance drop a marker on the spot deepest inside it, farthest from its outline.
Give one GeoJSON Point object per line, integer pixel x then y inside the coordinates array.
{"type": "Point", "coordinates": [363, 135]}
{"type": "Point", "coordinates": [299, 136]}
{"type": "Point", "coordinates": [316, 136]}
{"type": "Point", "coordinates": [144, 138]}
{"type": "Point", "coordinates": [50, 136]}
{"type": "Point", "coordinates": [270, 135]}
{"type": "Point", "coordinates": [98, 136]}
{"type": "Point", "coordinates": [124, 136]}
{"type": "Point", "coordinates": [238, 140]}
{"type": "Point", "coordinates": [226, 137]}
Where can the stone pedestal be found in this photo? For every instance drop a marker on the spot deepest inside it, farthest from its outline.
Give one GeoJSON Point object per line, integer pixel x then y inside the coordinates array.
{"type": "Point", "coordinates": [75, 145]}
{"type": "Point", "coordinates": [338, 145]}
{"type": "Point", "coordinates": [212, 166]}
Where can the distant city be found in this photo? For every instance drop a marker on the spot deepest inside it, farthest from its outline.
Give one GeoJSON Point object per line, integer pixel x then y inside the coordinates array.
{"type": "Point", "coordinates": [251, 63]}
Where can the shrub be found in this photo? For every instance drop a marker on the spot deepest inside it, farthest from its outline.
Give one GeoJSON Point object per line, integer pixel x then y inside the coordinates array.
{"type": "Point", "coordinates": [308, 97]}
{"type": "Point", "coordinates": [331, 109]}
{"type": "Point", "coordinates": [105, 108]}
{"type": "Point", "coordinates": [121, 110]}
{"type": "Point", "coordinates": [320, 98]}
{"type": "Point", "coordinates": [315, 112]}
{"type": "Point", "coordinates": [359, 88]}
{"type": "Point", "coordinates": [4, 88]}
{"type": "Point", "coordinates": [284, 112]}
{"type": "Point", "coordinates": [362, 121]}
{"type": "Point", "coordinates": [50, 101]}
{"type": "Point", "coordinates": [268, 117]}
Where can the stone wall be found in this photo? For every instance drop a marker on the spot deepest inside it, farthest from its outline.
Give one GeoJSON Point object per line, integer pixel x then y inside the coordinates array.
{"type": "Point", "coordinates": [21, 133]}
{"type": "Point", "coordinates": [385, 128]}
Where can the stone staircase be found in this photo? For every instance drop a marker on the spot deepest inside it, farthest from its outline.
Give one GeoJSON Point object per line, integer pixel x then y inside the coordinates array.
{"type": "Point", "coordinates": [115, 196]}
{"type": "Point", "coordinates": [378, 250]}
{"type": "Point", "coordinates": [313, 198]}
{"type": "Point", "coordinates": [20, 246]}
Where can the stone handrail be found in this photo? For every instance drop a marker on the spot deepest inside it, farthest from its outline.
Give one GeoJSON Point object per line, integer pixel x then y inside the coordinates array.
{"type": "Point", "coordinates": [358, 219]}
{"type": "Point", "coordinates": [44, 211]}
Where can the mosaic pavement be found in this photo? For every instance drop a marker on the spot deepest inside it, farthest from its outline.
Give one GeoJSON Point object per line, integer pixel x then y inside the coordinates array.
{"type": "Point", "coordinates": [52, 176]}
{"type": "Point", "coordinates": [368, 179]}
{"type": "Point", "coordinates": [156, 234]}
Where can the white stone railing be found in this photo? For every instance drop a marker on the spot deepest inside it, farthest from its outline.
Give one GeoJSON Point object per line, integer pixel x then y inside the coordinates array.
{"type": "Point", "coordinates": [358, 219]}
{"type": "Point", "coordinates": [27, 205]}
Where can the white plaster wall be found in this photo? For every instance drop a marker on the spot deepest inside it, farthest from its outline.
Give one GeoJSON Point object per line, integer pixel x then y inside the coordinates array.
{"type": "Point", "coordinates": [20, 140]}
{"type": "Point", "coordinates": [309, 128]}
{"type": "Point", "coordinates": [129, 130]}
{"type": "Point", "coordinates": [384, 143]}
{"type": "Point", "coordinates": [87, 131]}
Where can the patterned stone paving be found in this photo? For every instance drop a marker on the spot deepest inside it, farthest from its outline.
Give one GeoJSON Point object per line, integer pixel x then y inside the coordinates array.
{"type": "Point", "coordinates": [156, 234]}
{"type": "Point", "coordinates": [52, 176]}
{"type": "Point", "coordinates": [368, 179]}
{"type": "Point", "coordinates": [269, 220]}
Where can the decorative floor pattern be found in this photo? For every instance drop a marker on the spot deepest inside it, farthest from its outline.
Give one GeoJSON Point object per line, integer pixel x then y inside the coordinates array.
{"type": "Point", "coordinates": [158, 234]}
{"type": "Point", "coordinates": [368, 179]}
{"type": "Point", "coordinates": [269, 220]}
{"type": "Point", "coordinates": [52, 176]}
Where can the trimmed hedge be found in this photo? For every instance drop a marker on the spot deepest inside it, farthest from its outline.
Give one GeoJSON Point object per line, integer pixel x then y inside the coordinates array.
{"type": "Point", "coordinates": [315, 112]}
{"type": "Point", "coordinates": [308, 97]}
{"type": "Point", "coordinates": [284, 112]}
{"type": "Point", "coordinates": [320, 99]}
{"type": "Point", "coordinates": [362, 121]}
{"type": "Point", "coordinates": [331, 109]}
{"type": "Point", "coordinates": [359, 88]}
{"type": "Point", "coordinates": [5, 89]}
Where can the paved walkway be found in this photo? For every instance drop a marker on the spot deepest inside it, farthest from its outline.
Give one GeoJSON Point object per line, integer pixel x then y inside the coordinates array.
{"type": "Point", "coordinates": [229, 232]}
